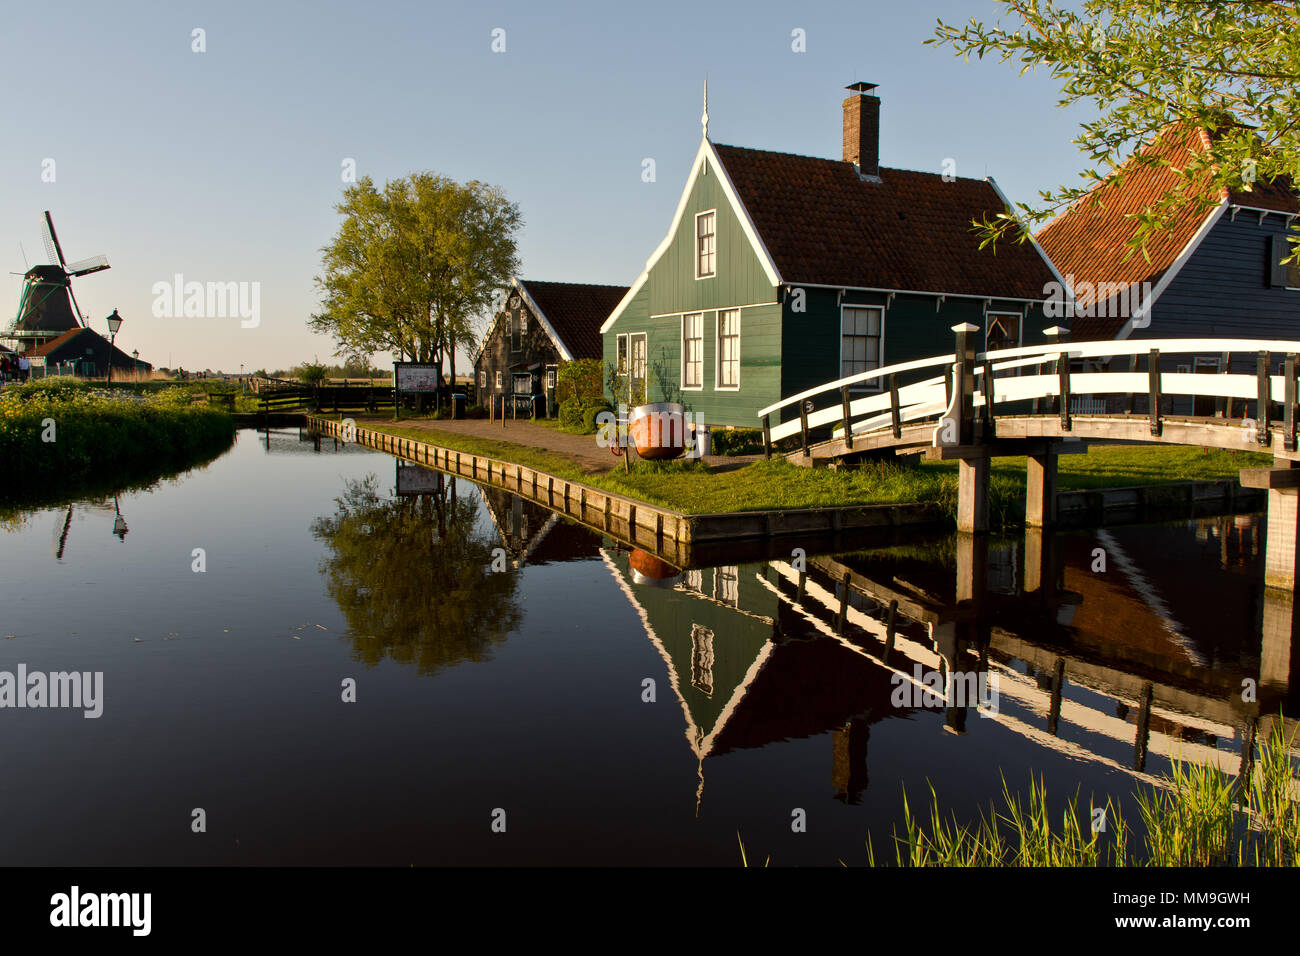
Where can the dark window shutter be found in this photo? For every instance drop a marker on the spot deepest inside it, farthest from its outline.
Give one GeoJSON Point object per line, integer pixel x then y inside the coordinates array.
{"type": "Point", "coordinates": [1278, 249]}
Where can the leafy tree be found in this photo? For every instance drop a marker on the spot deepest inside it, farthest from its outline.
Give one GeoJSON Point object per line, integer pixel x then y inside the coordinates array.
{"type": "Point", "coordinates": [1231, 66]}
{"type": "Point", "coordinates": [413, 576]}
{"type": "Point", "coordinates": [413, 264]}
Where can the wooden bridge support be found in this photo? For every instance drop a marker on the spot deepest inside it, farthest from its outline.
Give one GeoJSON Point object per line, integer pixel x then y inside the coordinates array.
{"type": "Point", "coordinates": [1278, 635]}
{"type": "Point", "coordinates": [1040, 490]}
{"type": "Point", "coordinates": [1282, 538]}
{"type": "Point", "coordinates": [973, 494]}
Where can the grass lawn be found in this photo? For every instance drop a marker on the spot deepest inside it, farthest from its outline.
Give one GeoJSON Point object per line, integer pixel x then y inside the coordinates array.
{"type": "Point", "coordinates": [1117, 466]}
{"type": "Point", "coordinates": [691, 488]}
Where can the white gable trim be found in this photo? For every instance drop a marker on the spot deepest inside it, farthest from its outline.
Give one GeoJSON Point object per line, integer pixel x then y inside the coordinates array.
{"type": "Point", "coordinates": [706, 154]}
{"type": "Point", "coordinates": [560, 347]}
{"type": "Point", "coordinates": [1069, 293]}
{"type": "Point", "coordinates": [1142, 313]}
{"type": "Point", "coordinates": [541, 317]}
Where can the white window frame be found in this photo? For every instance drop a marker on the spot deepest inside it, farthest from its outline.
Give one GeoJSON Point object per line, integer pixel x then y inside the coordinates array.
{"type": "Point", "coordinates": [699, 254]}
{"type": "Point", "coordinates": [552, 376]}
{"type": "Point", "coordinates": [876, 385]}
{"type": "Point", "coordinates": [1020, 325]}
{"type": "Point", "coordinates": [699, 385]}
{"type": "Point", "coordinates": [718, 385]}
{"type": "Point", "coordinates": [631, 359]}
{"type": "Point", "coordinates": [498, 380]}
{"type": "Point", "coordinates": [482, 378]}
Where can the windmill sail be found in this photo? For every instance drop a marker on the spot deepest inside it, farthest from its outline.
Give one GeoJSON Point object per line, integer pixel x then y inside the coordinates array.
{"type": "Point", "coordinates": [47, 307]}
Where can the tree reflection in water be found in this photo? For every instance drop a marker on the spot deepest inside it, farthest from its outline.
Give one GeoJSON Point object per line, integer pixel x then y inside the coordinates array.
{"type": "Point", "coordinates": [413, 576]}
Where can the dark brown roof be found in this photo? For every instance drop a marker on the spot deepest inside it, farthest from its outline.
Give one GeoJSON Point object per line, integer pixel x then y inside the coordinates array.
{"type": "Point", "coordinates": [576, 312]}
{"type": "Point", "coordinates": [823, 224]}
{"type": "Point", "coordinates": [1089, 241]}
{"type": "Point", "coordinates": [76, 341]}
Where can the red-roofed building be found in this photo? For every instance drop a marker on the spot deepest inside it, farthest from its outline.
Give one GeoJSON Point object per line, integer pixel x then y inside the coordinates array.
{"type": "Point", "coordinates": [781, 272]}
{"type": "Point", "coordinates": [1213, 273]}
{"type": "Point", "coordinates": [542, 325]}
{"type": "Point", "coordinates": [83, 352]}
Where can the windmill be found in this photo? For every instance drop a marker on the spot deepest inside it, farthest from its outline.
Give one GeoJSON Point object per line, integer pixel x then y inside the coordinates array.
{"type": "Point", "coordinates": [47, 308]}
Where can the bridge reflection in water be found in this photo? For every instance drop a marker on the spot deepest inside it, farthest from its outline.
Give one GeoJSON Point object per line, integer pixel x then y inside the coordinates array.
{"type": "Point", "coordinates": [1101, 647]}
{"type": "Point", "coordinates": [1118, 648]}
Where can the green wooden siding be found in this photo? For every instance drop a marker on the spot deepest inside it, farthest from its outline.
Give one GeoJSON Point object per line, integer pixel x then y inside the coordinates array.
{"type": "Point", "coordinates": [781, 352]}
{"type": "Point", "coordinates": [739, 278]}
{"type": "Point", "coordinates": [914, 328]}
{"type": "Point", "coordinates": [672, 290]}
{"type": "Point", "coordinates": [738, 639]}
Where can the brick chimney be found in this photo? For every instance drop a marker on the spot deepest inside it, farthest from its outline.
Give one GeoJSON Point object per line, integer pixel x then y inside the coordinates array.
{"type": "Point", "coordinates": [862, 129]}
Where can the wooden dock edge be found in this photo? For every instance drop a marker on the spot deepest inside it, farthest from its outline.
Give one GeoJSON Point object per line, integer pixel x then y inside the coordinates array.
{"type": "Point", "coordinates": [605, 510]}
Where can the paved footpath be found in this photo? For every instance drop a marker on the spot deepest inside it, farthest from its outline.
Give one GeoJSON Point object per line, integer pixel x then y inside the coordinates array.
{"type": "Point", "coordinates": [582, 448]}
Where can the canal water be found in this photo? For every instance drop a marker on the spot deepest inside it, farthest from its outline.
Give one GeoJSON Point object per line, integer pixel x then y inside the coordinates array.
{"type": "Point", "coordinates": [310, 667]}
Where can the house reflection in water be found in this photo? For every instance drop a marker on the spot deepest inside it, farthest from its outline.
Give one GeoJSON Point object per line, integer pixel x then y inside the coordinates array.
{"type": "Point", "coordinates": [1110, 647]}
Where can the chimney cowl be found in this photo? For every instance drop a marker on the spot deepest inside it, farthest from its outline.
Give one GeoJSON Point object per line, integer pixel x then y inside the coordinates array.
{"type": "Point", "coordinates": [862, 129]}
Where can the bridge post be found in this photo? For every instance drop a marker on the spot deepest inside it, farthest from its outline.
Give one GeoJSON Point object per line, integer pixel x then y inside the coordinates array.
{"type": "Point", "coordinates": [1040, 491]}
{"type": "Point", "coordinates": [964, 406]}
{"type": "Point", "coordinates": [1282, 538]}
{"type": "Point", "coordinates": [973, 494]}
{"type": "Point", "coordinates": [1279, 633]}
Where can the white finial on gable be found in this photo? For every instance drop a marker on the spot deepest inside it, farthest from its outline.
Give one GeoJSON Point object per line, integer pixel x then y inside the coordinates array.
{"type": "Point", "coordinates": [704, 119]}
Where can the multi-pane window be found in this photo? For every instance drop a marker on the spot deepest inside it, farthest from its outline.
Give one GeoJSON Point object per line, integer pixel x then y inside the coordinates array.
{"type": "Point", "coordinates": [1003, 332]}
{"type": "Point", "coordinates": [622, 355]}
{"type": "Point", "coordinates": [482, 378]}
{"type": "Point", "coordinates": [702, 659]}
{"type": "Point", "coordinates": [860, 340]}
{"type": "Point", "coordinates": [550, 378]}
{"type": "Point", "coordinates": [637, 369]}
{"type": "Point", "coordinates": [726, 585]}
{"type": "Point", "coordinates": [693, 350]}
{"type": "Point", "coordinates": [705, 245]}
{"type": "Point", "coordinates": [729, 349]}
{"type": "Point", "coordinates": [498, 379]}
{"type": "Point", "coordinates": [523, 383]}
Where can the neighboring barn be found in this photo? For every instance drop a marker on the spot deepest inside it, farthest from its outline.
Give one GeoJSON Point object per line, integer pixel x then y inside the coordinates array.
{"type": "Point", "coordinates": [84, 352]}
{"type": "Point", "coordinates": [781, 272]}
{"type": "Point", "coordinates": [1212, 274]}
{"type": "Point", "coordinates": [542, 325]}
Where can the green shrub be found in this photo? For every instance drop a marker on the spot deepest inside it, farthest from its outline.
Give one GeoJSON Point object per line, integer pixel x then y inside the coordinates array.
{"type": "Point", "coordinates": [571, 413]}
{"type": "Point", "coordinates": [582, 380]}
{"type": "Point", "coordinates": [590, 413]}
{"type": "Point", "coordinates": [737, 441]}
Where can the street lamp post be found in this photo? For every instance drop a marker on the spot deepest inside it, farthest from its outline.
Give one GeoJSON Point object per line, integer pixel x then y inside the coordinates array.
{"type": "Point", "coordinates": [114, 323]}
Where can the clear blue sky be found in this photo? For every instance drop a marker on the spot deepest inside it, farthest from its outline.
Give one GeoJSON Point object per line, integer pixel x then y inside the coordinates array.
{"type": "Point", "coordinates": [225, 165]}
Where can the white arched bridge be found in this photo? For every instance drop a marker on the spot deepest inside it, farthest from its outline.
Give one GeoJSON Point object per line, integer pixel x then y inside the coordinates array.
{"type": "Point", "coordinates": [1042, 401]}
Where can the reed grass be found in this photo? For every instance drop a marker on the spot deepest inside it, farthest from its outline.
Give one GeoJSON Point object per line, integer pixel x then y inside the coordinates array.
{"type": "Point", "coordinates": [1201, 816]}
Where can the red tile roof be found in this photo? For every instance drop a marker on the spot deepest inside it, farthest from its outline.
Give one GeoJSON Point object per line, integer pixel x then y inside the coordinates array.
{"type": "Point", "coordinates": [823, 224]}
{"type": "Point", "coordinates": [576, 311]}
{"type": "Point", "coordinates": [1089, 241]}
{"type": "Point", "coordinates": [96, 342]}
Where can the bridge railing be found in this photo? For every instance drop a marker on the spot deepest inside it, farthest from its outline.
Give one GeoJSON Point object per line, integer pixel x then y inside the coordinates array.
{"type": "Point", "coordinates": [999, 379]}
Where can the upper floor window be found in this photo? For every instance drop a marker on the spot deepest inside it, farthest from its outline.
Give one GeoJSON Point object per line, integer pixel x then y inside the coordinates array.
{"type": "Point", "coordinates": [693, 350]}
{"type": "Point", "coordinates": [860, 339]}
{"type": "Point", "coordinates": [729, 349]}
{"type": "Point", "coordinates": [706, 244]}
{"type": "Point", "coordinates": [518, 326]}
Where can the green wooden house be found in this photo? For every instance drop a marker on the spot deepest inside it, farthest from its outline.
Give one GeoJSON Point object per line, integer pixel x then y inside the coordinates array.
{"type": "Point", "coordinates": [781, 272]}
